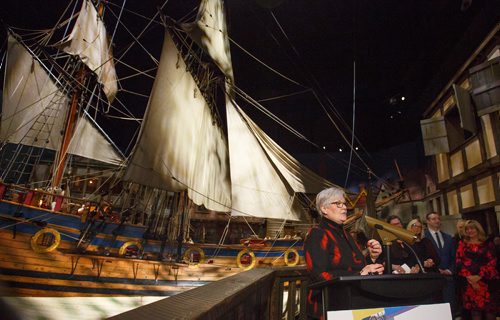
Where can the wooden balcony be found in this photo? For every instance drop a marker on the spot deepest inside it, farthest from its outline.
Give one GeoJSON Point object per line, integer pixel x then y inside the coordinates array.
{"type": "Point", "coordinates": [261, 293]}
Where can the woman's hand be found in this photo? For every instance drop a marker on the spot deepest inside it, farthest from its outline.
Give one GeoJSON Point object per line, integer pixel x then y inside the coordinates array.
{"type": "Point", "coordinates": [375, 268]}
{"type": "Point", "coordinates": [445, 272]}
{"type": "Point", "coordinates": [374, 248]}
{"type": "Point", "coordinates": [429, 263]}
{"type": "Point", "coordinates": [415, 269]}
{"type": "Point", "coordinates": [397, 268]}
{"type": "Point", "coordinates": [473, 279]}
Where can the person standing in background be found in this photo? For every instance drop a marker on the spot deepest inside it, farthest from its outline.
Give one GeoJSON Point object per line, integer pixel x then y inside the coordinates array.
{"type": "Point", "coordinates": [459, 235]}
{"type": "Point", "coordinates": [401, 256]}
{"type": "Point", "coordinates": [423, 247]}
{"type": "Point", "coordinates": [445, 247]}
{"type": "Point", "coordinates": [476, 265]}
{"type": "Point", "coordinates": [443, 243]}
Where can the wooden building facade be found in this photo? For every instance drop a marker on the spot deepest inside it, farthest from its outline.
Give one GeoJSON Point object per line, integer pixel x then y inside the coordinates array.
{"type": "Point", "coordinates": [461, 132]}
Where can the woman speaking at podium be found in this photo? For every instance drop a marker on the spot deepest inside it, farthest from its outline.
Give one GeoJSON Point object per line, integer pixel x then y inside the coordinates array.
{"type": "Point", "coordinates": [331, 251]}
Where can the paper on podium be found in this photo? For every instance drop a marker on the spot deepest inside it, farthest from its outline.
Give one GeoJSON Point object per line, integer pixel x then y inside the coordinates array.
{"type": "Point", "coordinates": [440, 311]}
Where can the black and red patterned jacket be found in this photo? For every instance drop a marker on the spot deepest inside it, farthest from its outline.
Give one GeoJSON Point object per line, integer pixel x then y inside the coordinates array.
{"type": "Point", "coordinates": [330, 251]}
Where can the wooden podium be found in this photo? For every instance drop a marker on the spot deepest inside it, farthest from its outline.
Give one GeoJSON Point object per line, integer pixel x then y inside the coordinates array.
{"type": "Point", "coordinates": [361, 292]}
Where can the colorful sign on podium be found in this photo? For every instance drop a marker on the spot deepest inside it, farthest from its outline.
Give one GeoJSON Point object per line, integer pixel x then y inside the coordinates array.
{"type": "Point", "coordinates": [440, 311]}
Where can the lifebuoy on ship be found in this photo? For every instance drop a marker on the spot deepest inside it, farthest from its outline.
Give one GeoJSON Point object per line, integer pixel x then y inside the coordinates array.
{"type": "Point", "coordinates": [194, 256]}
{"type": "Point", "coordinates": [124, 249]}
{"type": "Point", "coordinates": [292, 257]}
{"type": "Point", "coordinates": [44, 246]}
{"type": "Point", "coordinates": [246, 259]}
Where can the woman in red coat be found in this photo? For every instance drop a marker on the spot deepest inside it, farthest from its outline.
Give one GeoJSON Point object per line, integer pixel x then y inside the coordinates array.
{"type": "Point", "coordinates": [476, 264]}
{"type": "Point", "coordinates": [331, 251]}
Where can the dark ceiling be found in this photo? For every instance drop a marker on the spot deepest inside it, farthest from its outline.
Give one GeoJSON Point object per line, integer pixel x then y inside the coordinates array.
{"type": "Point", "coordinates": [406, 48]}
{"type": "Point", "coordinates": [400, 48]}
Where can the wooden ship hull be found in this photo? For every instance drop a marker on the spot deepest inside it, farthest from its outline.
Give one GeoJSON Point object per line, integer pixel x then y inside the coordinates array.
{"type": "Point", "coordinates": [50, 253]}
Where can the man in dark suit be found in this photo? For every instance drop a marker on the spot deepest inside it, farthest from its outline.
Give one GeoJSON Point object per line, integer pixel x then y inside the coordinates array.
{"type": "Point", "coordinates": [445, 248]}
{"type": "Point", "coordinates": [443, 242]}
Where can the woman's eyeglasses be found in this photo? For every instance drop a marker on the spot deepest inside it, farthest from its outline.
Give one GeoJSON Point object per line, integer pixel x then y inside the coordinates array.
{"type": "Point", "coordinates": [416, 225]}
{"type": "Point", "coordinates": [339, 204]}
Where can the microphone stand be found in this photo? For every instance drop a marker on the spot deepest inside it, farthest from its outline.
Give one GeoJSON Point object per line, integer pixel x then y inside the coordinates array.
{"type": "Point", "coordinates": [387, 246]}
{"type": "Point", "coordinates": [388, 263]}
{"type": "Point", "coordinates": [416, 256]}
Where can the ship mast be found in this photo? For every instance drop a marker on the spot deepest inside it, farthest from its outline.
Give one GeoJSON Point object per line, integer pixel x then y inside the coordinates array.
{"type": "Point", "coordinates": [71, 118]}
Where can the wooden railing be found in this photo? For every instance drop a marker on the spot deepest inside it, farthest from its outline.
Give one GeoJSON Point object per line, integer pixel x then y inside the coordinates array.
{"type": "Point", "coordinates": [52, 201]}
{"type": "Point", "coordinates": [261, 293]}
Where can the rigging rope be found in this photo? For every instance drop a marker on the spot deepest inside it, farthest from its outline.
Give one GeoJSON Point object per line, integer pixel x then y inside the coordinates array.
{"type": "Point", "coordinates": [222, 238]}
{"type": "Point", "coordinates": [353, 122]}
{"type": "Point", "coordinates": [318, 98]}
{"type": "Point", "coordinates": [136, 38]}
{"type": "Point", "coordinates": [111, 40]}
{"type": "Point", "coordinates": [261, 108]}
{"type": "Point", "coordinates": [265, 65]}
{"type": "Point", "coordinates": [284, 96]}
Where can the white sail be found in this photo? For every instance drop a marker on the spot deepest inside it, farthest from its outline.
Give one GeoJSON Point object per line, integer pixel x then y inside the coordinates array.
{"type": "Point", "coordinates": [264, 178]}
{"type": "Point", "coordinates": [299, 177]}
{"type": "Point", "coordinates": [33, 108]}
{"type": "Point", "coordinates": [179, 146]}
{"type": "Point", "coordinates": [259, 189]}
{"type": "Point", "coordinates": [88, 40]}
{"type": "Point", "coordinates": [209, 30]}
{"type": "Point", "coordinates": [265, 184]}
{"type": "Point", "coordinates": [88, 142]}
{"type": "Point", "coordinates": [34, 111]}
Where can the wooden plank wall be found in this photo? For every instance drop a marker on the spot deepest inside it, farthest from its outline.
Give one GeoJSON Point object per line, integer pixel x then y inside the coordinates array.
{"type": "Point", "coordinates": [254, 294]}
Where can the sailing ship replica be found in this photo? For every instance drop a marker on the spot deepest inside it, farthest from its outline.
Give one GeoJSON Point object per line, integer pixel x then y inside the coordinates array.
{"type": "Point", "coordinates": [140, 232]}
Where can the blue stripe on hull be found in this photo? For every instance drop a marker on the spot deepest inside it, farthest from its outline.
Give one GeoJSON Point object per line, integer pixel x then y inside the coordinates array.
{"type": "Point", "coordinates": [273, 253]}
{"type": "Point", "coordinates": [105, 232]}
{"type": "Point", "coordinates": [32, 229]}
{"type": "Point", "coordinates": [66, 220]}
{"type": "Point", "coordinates": [40, 215]}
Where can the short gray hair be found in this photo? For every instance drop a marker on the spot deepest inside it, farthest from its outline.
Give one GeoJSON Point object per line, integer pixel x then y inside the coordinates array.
{"type": "Point", "coordinates": [326, 195]}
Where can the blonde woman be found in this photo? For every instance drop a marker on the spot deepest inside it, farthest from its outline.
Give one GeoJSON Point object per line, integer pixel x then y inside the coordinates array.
{"type": "Point", "coordinates": [476, 265]}
{"type": "Point", "coordinates": [423, 247]}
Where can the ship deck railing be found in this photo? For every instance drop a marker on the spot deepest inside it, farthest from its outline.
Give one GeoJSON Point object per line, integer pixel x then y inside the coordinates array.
{"type": "Point", "coordinates": [50, 200]}
{"type": "Point", "coordinates": [260, 293]}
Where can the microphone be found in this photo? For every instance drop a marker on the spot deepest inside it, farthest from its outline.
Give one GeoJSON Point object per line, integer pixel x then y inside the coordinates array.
{"type": "Point", "coordinates": [389, 233]}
